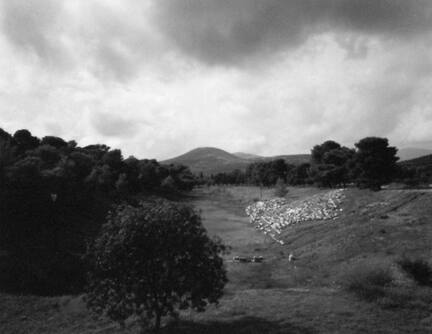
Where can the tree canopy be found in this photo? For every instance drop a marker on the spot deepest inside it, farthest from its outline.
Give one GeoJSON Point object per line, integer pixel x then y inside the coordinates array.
{"type": "Point", "coordinates": [152, 260]}
{"type": "Point", "coordinates": [374, 163]}
{"type": "Point", "coordinates": [86, 181]}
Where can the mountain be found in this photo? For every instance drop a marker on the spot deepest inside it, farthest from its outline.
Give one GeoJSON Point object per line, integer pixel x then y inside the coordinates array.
{"type": "Point", "coordinates": [424, 161]}
{"type": "Point", "coordinates": [409, 153]}
{"type": "Point", "coordinates": [211, 160]}
{"type": "Point", "coordinates": [293, 159]}
{"type": "Point", "coordinates": [247, 155]}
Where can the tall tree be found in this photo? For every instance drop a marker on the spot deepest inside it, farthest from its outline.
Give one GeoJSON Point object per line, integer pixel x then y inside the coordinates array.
{"type": "Point", "coordinates": [374, 162]}
{"type": "Point", "coordinates": [330, 164]}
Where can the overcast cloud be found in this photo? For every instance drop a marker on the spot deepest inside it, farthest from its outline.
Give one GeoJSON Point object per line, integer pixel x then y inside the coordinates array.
{"type": "Point", "coordinates": [157, 78]}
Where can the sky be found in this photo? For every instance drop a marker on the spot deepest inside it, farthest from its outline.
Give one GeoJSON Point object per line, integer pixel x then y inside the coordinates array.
{"type": "Point", "coordinates": [157, 78]}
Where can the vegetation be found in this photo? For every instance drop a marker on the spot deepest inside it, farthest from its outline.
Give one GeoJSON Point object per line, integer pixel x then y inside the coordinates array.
{"type": "Point", "coordinates": [54, 197]}
{"type": "Point", "coordinates": [418, 269]}
{"type": "Point", "coordinates": [369, 282]}
{"type": "Point", "coordinates": [274, 297]}
{"type": "Point", "coordinates": [330, 164]}
{"type": "Point", "coordinates": [370, 165]}
{"type": "Point", "coordinates": [374, 163]}
{"type": "Point", "coordinates": [280, 188]}
{"type": "Point", "coordinates": [152, 260]}
{"type": "Point", "coordinates": [416, 171]}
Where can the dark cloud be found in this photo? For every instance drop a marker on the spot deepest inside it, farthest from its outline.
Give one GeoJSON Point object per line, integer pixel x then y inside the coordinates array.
{"type": "Point", "coordinates": [31, 25]}
{"type": "Point", "coordinates": [230, 32]}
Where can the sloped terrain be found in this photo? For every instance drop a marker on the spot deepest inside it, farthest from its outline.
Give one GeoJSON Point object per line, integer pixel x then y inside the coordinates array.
{"type": "Point", "coordinates": [211, 160]}
{"type": "Point", "coordinates": [273, 216]}
{"type": "Point", "coordinates": [279, 296]}
{"type": "Point", "coordinates": [409, 153]}
{"type": "Point", "coordinates": [424, 161]}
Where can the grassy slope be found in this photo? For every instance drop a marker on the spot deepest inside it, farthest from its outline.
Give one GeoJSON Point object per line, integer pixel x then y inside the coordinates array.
{"type": "Point", "coordinates": [276, 296]}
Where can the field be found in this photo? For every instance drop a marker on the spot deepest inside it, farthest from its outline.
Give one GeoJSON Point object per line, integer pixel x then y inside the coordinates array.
{"type": "Point", "coordinates": [278, 296]}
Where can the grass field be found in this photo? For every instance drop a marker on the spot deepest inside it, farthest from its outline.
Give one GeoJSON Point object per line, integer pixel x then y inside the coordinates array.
{"type": "Point", "coordinates": [276, 296]}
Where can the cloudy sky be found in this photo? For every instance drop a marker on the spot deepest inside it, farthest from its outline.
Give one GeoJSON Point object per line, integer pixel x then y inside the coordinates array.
{"type": "Point", "coordinates": [159, 77]}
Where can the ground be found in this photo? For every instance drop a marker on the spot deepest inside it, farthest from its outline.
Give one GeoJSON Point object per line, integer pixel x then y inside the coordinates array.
{"type": "Point", "coordinates": [278, 296]}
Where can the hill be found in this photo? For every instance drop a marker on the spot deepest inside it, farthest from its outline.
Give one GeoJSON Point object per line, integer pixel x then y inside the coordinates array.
{"type": "Point", "coordinates": [410, 153]}
{"type": "Point", "coordinates": [373, 230]}
{"type": "Point", "coordinates": [424, 161]}
{"type": "Point", "coordinates": [247, 155]}
{"type": "Point", "coordinates": [211, 160]}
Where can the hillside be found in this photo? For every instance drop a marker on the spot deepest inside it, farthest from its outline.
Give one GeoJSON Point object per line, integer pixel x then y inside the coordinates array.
{"type": "Point", "coordinates": [424, 161]}
{"type": "Point", "coordinates": [247, 155]}
{"type": "Point", "coordinates": [211, 160]}
{"type": "Point", "coordinates": [373, 230]}
{"type": "Point", "coordinates": [409, 153]}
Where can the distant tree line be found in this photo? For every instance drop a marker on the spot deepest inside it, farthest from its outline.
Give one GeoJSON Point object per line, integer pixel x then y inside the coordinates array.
{"type": "Point", "coordinates": [370, 164]}
{"type": "Point", "coordinates": [55, 195]}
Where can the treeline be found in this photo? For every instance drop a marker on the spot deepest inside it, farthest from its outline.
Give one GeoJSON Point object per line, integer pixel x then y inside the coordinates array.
{"type": "Point", "coordinates": [370, 164]}
{"type": "Point", "coordinates": [54, 196]}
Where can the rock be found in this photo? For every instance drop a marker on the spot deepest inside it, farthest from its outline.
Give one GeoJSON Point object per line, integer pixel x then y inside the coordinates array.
{"type": "Point", "coordinates": [273, 216]}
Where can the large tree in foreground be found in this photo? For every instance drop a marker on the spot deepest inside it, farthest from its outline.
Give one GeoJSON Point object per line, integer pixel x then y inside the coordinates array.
{"type": "Point", "coordinates": [152, 260]}
{"type": "Point", "coordinates": [374, 163]}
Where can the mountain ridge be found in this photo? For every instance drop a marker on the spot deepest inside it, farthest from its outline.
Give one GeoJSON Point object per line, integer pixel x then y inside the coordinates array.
{"type": "Point", "coordinates": [409, 153]}
{"type": "Point", "coordinates": [213, 160]}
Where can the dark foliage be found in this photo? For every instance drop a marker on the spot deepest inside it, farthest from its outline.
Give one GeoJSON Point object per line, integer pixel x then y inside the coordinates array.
{"type": "Point", "coordinates": [416, 171]}
{"type": "Point", "coordinates": [418, 269]}
{"type": "Point", "coordinates": [370, 165]}
{"type": "Point", "coordinates": [54, 196]}
{"type": "Point", "coordinates": [374, 163]}
{"type": "Point", "coordinates": [152, 260]}
{"type": "Point", "coordinates": [367, 282]}
{"type": "Point", "coordinates": [330, 164]}
{"type": "Point", "coordinates": [280, 188]}
{"type": "Point", "coordinates": [268, 172]}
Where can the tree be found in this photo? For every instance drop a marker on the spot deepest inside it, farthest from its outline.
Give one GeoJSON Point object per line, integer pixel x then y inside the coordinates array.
{"type": "Point", "coordinates": [151, 260]}
{"type": "Point", "coordinates": [280, 188]}
{"type": "Point", "coordinates": [25, 140]}
{"type": "Point", "coordinates": [318, 151]}
{"type": "Point", "coordinates": [299, 174]}
{"type": "Point", "coordinates": [330, 164]}
{"type": "Point", "coordinates": [374, 163]}
{"type": "Point", "coordinates": [56, 142]}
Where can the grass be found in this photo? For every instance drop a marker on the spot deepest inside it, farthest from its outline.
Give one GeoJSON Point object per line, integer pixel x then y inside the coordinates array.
{"type": "Point", "coordinates": [369, 282]}
{"type": "Point", "coordinates": [277, 296]}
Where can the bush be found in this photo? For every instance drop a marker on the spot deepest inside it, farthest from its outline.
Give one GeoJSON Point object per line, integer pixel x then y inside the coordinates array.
{"type": "Point", "coordinates": [152, 260]}
{"type": "Point", "coordinates": [369, 282]}
{"type": "Point", "coordinates": [418, 269]}
{"type": "Point", "coordinates": [280, 188]}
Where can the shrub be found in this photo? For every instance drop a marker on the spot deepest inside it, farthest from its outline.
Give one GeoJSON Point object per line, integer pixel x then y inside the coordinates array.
{"type": "Point", "coordinates": [152, 260]}
{"type": "Point", "coordinates": [418, 269]}
{"type": "Point", "coordinates": [280, 188]}
{"type": "Point", "coordinates": [369, 282]}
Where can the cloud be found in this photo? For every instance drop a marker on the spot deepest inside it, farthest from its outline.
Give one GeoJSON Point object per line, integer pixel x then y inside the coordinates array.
{"type": "Point", "coordinates": [110, 125]}
{"type": "Point", "coordinates": [159, 77]}
{"type": "Point", "coordinates": [231, 32]}
{"type": "Point", "coordinates": [27, 24]}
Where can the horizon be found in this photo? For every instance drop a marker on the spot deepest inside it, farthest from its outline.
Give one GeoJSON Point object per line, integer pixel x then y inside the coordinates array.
{"type": "Point", "coordinates": [159, 78]}
{"type": "Point", "coordinates": [425, 148]}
